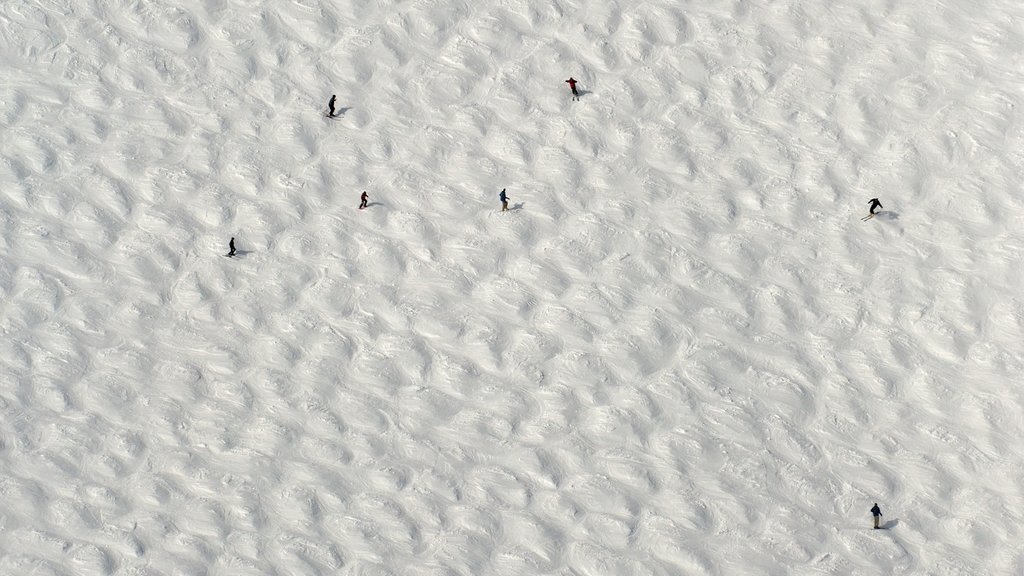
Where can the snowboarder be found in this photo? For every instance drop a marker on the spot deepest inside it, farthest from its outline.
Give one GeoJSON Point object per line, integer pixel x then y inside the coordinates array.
{"type": "Point", "coordinates": [572, 86]}
{"type": "Point", "coordinates": [363, 199]}
{"type": "Point", "coordinates": [231, 245]}
{"type": "Point", "coordinates": [504, 200]}
{"type": "Point", "coordinates": [875, 204]}
{"type": "Point", "coordinates": [330, 105]}
{"type": "Point", "coordinates": [876, 512]}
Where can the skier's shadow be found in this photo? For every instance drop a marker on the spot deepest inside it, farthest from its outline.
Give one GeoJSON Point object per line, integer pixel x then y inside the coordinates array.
{"type": "Point", "coordinates": [517, 207]}
{"type": "Point", "coordinates": [240, 253]}
{"type": "Point", "coordinates": [582, 93]}
{"type": "Point", "coordinates": [372, 204]}
{"type": "Point", "coordinates": [341, 111]}
{"type": "Point", "coordinates": [890, 524]}
{"type": "Point", "coordinates": [888, 215]}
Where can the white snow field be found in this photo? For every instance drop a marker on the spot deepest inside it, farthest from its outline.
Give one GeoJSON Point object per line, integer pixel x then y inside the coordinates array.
{"type": "Point", "coordinates": [680, 353]}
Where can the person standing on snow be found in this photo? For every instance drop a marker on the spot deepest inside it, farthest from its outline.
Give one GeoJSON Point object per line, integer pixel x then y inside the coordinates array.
{"type": "Point", "coordinates": [876, 512]}
{"type": "Point", "coordinates": [572, 86]}
{"type": "Point", "coordinates": [875, 204]}
{"type": "Point", "coordinates": [363, 200]}
{"type": "Point", "coordinates": [330, 105]}
{"type": "Point", "coordinates": [231, 246]}
{"type": "Point", "coordinates": [504, 200]}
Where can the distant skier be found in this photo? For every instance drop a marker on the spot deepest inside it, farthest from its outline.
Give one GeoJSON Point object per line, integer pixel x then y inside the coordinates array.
{"type": "Point", "coordinates": [876, 512]}
{"type": "Point", "coordinates": [330, 105]}
{"type": "Point", "coordinates": [875, 204]}
{"type": "Point", "coordinates": [572, 86]}
{"type": "Point", "coordinates": [504, 200]}
{"type": "Point", "coordinates": [363, 200]}
{"type": "Point", "coordinates": [231, 245]}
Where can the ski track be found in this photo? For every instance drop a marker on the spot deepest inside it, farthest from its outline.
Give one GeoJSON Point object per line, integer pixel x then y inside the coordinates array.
{"type": "Point", "coordinates": [679, 353]}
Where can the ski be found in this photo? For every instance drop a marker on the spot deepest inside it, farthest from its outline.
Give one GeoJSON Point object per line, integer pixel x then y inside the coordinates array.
{"type": "Point", "coordinates": [868, 217]}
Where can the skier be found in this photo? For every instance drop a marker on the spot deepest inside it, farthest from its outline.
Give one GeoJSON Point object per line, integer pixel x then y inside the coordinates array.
{"type": "Point", "coordinates": [231, 245]}
{"type": "Point", "coordinates": [363, 200]}
{"type": "Point", "coordinates": [572, 86]}
{"type": "Point", "coordinates": [875, 204]}
{"type": "Point", "coordinates": [504, 200]}
{"type": "Point", "coordinates": [876, 512]}
{"type": "Point", "coordinates": [330, 105]}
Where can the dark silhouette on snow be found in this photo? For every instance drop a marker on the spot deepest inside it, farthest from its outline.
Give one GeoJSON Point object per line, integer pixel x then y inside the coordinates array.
{"type": "Point", "coordinates": [231, 245]}
{"type": "Point", "coordinates": [330, 105]}
{"type": "Point", "coordinates": [572, 86]}
{"type": "Point", "coordinates": [363, 199]}
{"type": "Point", "coordinates": [504, 200]}
{"type": "Point", "coordinates": [875, 204]}
{"type": "Point", "coordinates": [876, 512]}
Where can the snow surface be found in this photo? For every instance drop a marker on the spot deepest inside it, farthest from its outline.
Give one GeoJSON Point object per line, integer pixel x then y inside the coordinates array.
{"type": "Point", "coordinates": [680, 353]}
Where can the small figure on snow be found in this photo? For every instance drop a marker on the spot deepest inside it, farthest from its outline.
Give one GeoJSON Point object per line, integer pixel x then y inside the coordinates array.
{"type": "Point", "coordinates": [875, 205]}
{"type": "Point", "coordinates": [876, 512]}
{"type": "Point", "coordinates": [363, 200]}
{"type": "Point", "coordinates": [330, 105]}
{"type": "Point", "coordinates": [231, 245]}
{"type": "Point", "coordinates": [572, 86]}
{"type": "Point", "coordinates": [504, 200]}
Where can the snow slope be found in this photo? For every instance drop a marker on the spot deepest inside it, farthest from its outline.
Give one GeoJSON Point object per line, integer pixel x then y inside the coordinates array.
{"type": "Point", "coordinates": [680, 353]}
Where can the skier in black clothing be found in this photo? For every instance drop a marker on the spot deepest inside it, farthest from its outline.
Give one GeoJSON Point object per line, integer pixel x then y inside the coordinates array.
{"type": "Point", "coordinates": [875, 204]}
{"type": "Point", "coordinates": [876, 512]}
{"type": "Point", "coordinates": [330, 105]}
{"type": "Point", "coordinates": [231, 245]}
{"type": "Point", "coordinates": [363, 200]}
{"type": "Point", "coordinates": [504, 200]}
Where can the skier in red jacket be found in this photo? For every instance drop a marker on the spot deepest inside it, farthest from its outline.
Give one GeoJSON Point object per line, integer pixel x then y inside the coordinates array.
{"type": "Point", "coordinates": [572, 86]}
